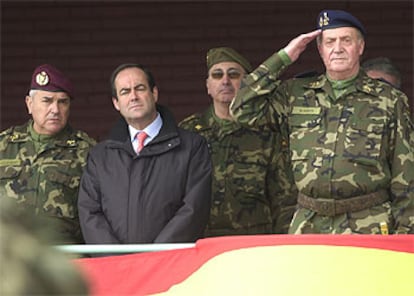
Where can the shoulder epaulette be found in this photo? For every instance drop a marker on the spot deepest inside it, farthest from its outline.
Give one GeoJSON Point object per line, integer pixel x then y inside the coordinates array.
{"type": "Point", "coordinates": [14, 133]}
{"type": "Point", "coordinates": [6, 132]}
{"type": "Point", "coordinates": [85, 137]}
{"type": "Point", "coordinates": [191, 121]}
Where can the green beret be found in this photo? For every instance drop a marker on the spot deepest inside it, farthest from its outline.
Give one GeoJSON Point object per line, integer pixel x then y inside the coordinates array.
{"type": "Point", "coordinates": [226, 54]}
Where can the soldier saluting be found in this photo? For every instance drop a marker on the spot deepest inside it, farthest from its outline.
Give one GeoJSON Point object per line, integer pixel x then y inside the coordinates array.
{"type": "Point", "coordinates": [350, 136]}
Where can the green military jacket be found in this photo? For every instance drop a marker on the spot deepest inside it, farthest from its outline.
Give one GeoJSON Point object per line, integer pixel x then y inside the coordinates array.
{"type": "Point", "coordinates": [346, 146]}
{"type": "Point", "coordinates": [252, 190]}
{"type": "Point", "coordinates": [43, 176]}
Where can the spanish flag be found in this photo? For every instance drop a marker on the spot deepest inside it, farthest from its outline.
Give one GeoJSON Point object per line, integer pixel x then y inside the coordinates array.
{"type": "Point", "coordinates": [262, 265]}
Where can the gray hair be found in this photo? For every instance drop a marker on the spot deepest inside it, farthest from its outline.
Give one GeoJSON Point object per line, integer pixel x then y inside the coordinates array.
{"type": "Point", "coordinates": [359, 36]}
{"type": "Point", "coordinates": [32, 92]}
{"type": "Point", "coordinates": [384, 65]}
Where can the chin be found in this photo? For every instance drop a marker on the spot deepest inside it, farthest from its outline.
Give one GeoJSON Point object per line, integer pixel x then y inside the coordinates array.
{"type": "Point", "coordinates": [338, 69]}
{"type": "Point", "coordinates": [226, 100]}
{"type": "Point", "coordinates": [55, 128]}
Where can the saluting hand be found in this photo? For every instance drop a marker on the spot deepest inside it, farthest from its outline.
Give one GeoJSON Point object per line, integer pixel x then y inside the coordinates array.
{"type": "Point", "coordinates": [298, 45]}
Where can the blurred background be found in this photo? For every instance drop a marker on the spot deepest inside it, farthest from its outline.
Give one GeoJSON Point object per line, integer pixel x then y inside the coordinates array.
{"type": "Point", "coordinates": [87, 40]}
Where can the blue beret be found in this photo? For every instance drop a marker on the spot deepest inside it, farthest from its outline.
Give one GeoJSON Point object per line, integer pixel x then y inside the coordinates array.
{"type": "Point", "coordinates": [329, 19]}
{"type": "Point", "coordinates": [46, 77]}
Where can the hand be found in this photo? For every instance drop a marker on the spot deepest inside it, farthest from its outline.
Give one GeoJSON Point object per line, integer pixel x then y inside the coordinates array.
{"type": "Point", "coordinates": [298, 45]}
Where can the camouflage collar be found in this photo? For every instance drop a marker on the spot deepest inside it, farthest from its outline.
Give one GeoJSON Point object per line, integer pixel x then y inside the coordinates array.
{"type": "Point", "coordinates": [362, 83]}
{"type": "Point", "coordinates": [222, 124]}
{"type": "Point", "coordinates": [25, 133]}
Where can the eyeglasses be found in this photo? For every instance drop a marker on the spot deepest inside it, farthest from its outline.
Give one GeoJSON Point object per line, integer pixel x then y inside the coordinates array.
{"type": "Point", "coordinates": [232, 74]}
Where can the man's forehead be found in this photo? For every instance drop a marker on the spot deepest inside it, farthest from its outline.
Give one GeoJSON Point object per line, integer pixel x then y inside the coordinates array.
{"type": "Point", "coordinates": [51, 94]}
{"type": "Point", "coordinates": [225, 66]}
{"type": "Point", "coordinates": [339, 32]}
{"type": "Point", "coordinates": [134, 75]}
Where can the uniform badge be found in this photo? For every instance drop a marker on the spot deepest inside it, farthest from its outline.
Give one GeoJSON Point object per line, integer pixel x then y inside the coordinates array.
{"type": "Point", "coordinates": [366, 88]}
{"type": "Point", "coordinates": [42, 78]}
{"type": "Point", "coordinates": [198, 127]}
{"type": "Point", "coordinates": [324, 20]}
{"type": "Point", "coordinates": [70, 142]}
{"type": "Point", "coordinates": [314, 84]}
{"type": "Point", "coordinates": [306, 110]}
{"type": "Point", "coordinates": [14, 137]}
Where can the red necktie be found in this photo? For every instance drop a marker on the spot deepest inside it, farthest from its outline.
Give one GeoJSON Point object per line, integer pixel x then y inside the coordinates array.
{"type": "Point", "coordinates": [141, 138]}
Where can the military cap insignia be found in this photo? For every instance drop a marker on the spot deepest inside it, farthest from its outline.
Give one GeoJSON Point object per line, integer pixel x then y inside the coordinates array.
{"type": "Point", "coordinates": [324, 20]}
{"type": "Point", "coordinates": [42, 78]}
{"type": "Point", "coordinates": [337, 19]}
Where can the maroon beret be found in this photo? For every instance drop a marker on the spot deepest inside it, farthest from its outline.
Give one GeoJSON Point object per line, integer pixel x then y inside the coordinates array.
{"type": "Point", "coordinates": [47, 77]}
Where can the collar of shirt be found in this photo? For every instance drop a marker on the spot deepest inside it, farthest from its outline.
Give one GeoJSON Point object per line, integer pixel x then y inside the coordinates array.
{"type": "Point", "coordinates": [152, 130]}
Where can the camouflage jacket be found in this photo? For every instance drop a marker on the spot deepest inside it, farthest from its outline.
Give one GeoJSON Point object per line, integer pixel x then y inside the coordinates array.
{"type": "Point", "coordinates": [356, 144]}
{"type": "Point", "coordinates": [253, 189]}
{"type": "Point", "coordinates": [43, 177]}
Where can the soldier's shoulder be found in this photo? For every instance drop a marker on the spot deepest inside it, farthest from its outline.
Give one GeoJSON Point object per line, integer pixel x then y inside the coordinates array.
{"type": "Point", "coordinates": [84, 137]}
{"type": "Point", "coordinates": [381, 89]}
{"type": "Point", "coordinates": [17, 131]}
{"type": "Point", "coordinates": [191, 122]}
{"type": "Point", "coordinates": [304, 79]}
{"type": "Point", "coordinates": [7, 132]}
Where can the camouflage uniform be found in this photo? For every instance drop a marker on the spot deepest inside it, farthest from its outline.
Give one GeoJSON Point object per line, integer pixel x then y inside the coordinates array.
{"type": "Point", "coordinates": [344, 147]}
{"type": "Point", "coordinates": [29, 265]}
{"type": "Point", "coordinates": [43, 173]}
{"type": "Point", "coordinates": [252, 185]}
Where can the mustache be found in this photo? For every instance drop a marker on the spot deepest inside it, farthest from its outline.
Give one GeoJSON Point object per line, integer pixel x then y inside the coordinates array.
{"type": "Point", "coordinates": [226, 88]}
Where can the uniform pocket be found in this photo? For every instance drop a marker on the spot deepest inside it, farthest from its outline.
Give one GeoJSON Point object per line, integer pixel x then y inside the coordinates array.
{"type": "Point", "coordinates": [305, 121]}
{"type": "Point", "coordinates": [10, 168]}
{"type": "Point", "coordinates": [249, 178]}
{"type": "Point", "coordinates": [305, 132]}
{"type": "Point", "coordinates": [363, 139]}
{"type": "Point", "coordinates": [61, 190]}
{"type": "Point", "coordinates": [9, 174]}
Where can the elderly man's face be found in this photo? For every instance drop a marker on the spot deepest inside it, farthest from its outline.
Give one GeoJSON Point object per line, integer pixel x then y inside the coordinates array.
{"type": "Point", "coordinates": [340, 50]}
{"type": "Point", "coordinates": [224, 81]}
{"type": "Point", "coordinates": [50, 111]}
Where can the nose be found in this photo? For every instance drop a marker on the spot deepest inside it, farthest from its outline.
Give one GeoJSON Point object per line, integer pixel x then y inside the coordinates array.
{"type": "Point", "coordinates": [337, 46]}
{"type": "Point", "coordinates": [226, 79]}
{"type": "Point", "coordinates": [54, 107]}
{"type": "Point", "coordinates": [133, 95]}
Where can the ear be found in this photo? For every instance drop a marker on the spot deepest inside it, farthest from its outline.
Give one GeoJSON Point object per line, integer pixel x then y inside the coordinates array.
{"type": "Point", "coordinates": [29, 101]}
{"type": "Point", "coordinates": [115, 102]}
{"type": "Point", "coordinates": [362, 47]}
{"type": "Point", "coordinates": [155, 93]}
{"type": "Point", "coordinates": [207, 86]}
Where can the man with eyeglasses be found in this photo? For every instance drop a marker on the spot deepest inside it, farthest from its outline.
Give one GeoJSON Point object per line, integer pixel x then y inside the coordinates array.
{"type": "Point", "coordinates": [252, 189]}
